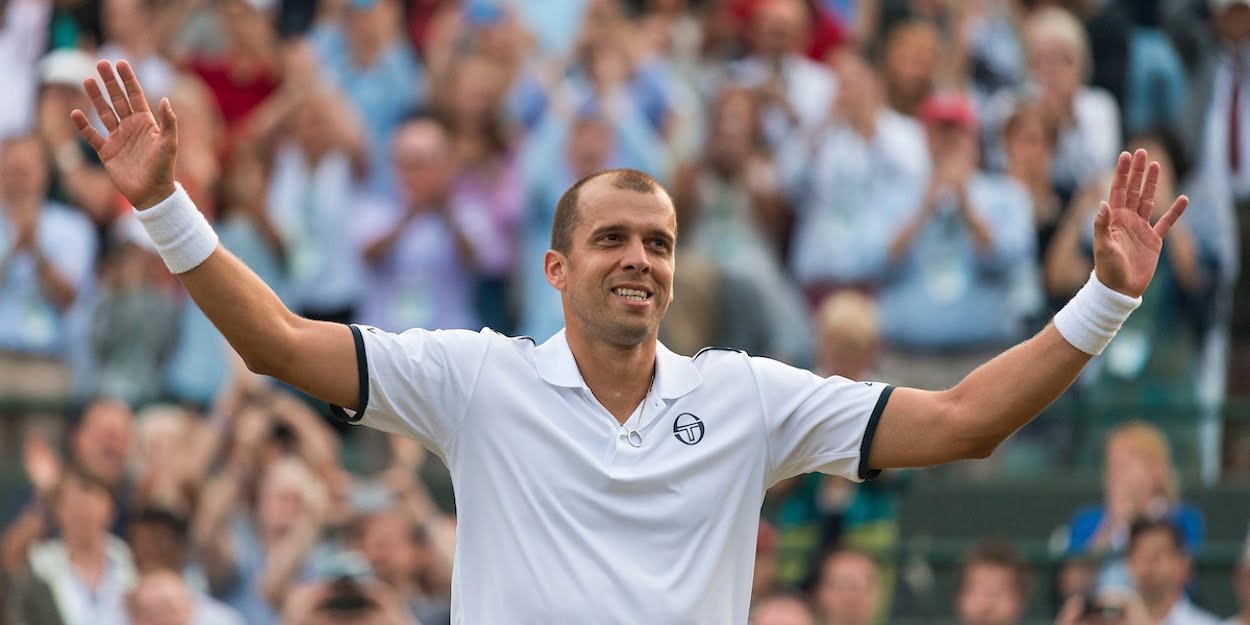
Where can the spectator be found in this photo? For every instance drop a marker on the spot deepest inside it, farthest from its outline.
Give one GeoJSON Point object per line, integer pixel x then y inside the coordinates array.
{"type": "Point", "coordinates": [764, 579]}
{"type": "Point", "coordinates": [910, 56]}
{"type": "Point", "coordinates": [86, 572]}
{"type": "Point", "coordinates": [364, 57]}
{"type": "Point", "coordinates": [161, 598]}
{"type": "Point", "coordinates": [1139, 481]}
{"type": "Point", "coordinates": [958, 260]}
{"type": "Point", "coordinates": [401, 554]}
{"type": "Point", "coordinates": [23, 37]}
{"type": "Point", "coordinates": [201, 141]}
{"type": "Point", "coordinates": [100, 444]}
{"type": "Point", "coordinates": [128, 27]}
{"type": "Point", "coordinates": [848, 589]}
{"type": "Point", "coordinates": [797, 92]}
{"type": "Point", "coordinates": [1086, 118]}
{"type": "Point", "coordinates": [733, 209]}
{"type": "Point", "coordinates": [345, 591]}
{"type": "Point", "coordinates": [867, 158]}
{"type": "Point", "coordinates": [1161, 568]}
{"type": "Point", "coordinates": [47, 255]}
{"type": "Point", "coordinates": [160, 543]}
{"type": "Point", "coordinates": [782, 608]}
{"type": "Point", "coordinates": [134, 322]}
{"type": "Point", "coordinates": [490, 187]}
{"type": "Point", "coordinates": [311, 194]}
{"type": "Point", "coordinates": [417, 253]}
{"type": "Point", "coordinates": [993, 585]}
{"type": "Point", "coordinates": [254, 560]}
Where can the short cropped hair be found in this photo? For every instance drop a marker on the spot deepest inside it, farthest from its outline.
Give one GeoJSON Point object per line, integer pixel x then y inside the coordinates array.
{"type": "Point", "coordinates": [1144, 526]}
{"type": "Point", "coordinates": [999, 552]}
{"type": "Point", "coordinates": [565, 220]}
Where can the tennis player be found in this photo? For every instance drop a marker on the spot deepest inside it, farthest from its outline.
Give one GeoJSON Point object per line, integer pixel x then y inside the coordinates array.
{"type": "Point", "coordinates": [600, 477]}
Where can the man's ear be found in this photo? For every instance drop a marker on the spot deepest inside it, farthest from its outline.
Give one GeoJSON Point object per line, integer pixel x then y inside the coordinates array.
{"type": "Point", "coordinates": [555, 268]}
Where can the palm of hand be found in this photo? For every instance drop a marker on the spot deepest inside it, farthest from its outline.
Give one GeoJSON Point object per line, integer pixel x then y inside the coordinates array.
{"type": "Point", "coordinates": [1126, 246]}
{"type": "Point", "coordinates": [140, 149]}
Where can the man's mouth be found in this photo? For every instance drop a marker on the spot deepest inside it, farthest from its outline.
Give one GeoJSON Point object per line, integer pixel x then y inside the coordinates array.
{"type": "Point", "coordinates": [634, 295]}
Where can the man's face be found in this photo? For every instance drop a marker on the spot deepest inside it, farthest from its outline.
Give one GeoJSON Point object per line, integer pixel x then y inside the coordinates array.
{"type": "Point", "coordinates": [83, 511]}
{"type": "Point", "coordinates": [782, 611]}
{"type": "Point", "coordinates": [422, 156]}
{"type": "Point", "coordinates": [1233, 23]}
{"type": "Point", "coordinates": [156, 546]}
{"type": "Point", "coordinates": [23, 170]}
{"type": "Point", "coordinates": [848, 593]}
{"type": "Point", "coordinates": [122, 18]}
{"type": "Point", "coordinates": [779, 27]}
{"type": "Point", "coordinates": [160, 599]}
{"type": "Point", "coordinates": [1159, 568]}
{"type": "Point", "coordinates": [1241, 585]}
{"type": "Point", "coordinates": [102, 443]}
{"type": "Point", "coordinates": [617, 279]}
{"type": "Point", "coordinates": [589, 147]}
{"type": "Point", "coordinates": [388, 547]}
{"type": "Point", "coordinates": [989, 596]}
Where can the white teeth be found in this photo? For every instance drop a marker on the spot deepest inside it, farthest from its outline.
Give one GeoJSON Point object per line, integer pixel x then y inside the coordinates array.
{"type": "Point", "coordinates": [632, 294]}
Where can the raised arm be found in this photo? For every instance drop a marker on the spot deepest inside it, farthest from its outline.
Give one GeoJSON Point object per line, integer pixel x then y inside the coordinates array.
{"type": "Point", "coordinates": [139, 153]}
{"type": "Point", "coordinates": [922, 428]}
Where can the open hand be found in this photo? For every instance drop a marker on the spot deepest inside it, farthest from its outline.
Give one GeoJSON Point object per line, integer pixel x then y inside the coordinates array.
{"type": "Point", "coordinates": [1126, 246]}
{"type": "Point", "coordinates": [140, 149]}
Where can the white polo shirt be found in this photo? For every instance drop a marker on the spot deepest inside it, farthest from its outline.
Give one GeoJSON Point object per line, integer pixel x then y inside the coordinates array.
{"type": "Point", "coordinates": [560, 518]}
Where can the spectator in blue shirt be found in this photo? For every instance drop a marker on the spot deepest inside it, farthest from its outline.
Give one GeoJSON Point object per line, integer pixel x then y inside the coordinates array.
{"type": "Point", "coordinates": [957, 260]}
{"type": "Point", "coordinates": [47, 258]}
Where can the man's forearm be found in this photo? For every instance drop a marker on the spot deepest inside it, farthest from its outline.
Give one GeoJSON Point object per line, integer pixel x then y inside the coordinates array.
{"type": "Point", "coordinates": [1011, 389]}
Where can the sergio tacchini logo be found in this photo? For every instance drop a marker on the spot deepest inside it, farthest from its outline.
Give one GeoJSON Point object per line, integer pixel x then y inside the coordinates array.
{"type": "Point", "coordinates": [688, 428]}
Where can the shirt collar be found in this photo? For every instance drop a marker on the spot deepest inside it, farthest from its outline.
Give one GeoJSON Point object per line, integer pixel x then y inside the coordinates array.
{"type": "Point", "coordinates": [675, 375]}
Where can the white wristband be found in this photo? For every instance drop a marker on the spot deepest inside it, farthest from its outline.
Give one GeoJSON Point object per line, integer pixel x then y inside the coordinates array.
{"type": "Point", "coordinates": [181, 234]}
{"type": "Point", "coordinates": [1090, 320]}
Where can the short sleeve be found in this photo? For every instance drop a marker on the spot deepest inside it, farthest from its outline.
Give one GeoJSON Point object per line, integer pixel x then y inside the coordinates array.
{"type": "Point", "coordinates": [818, 424]}
{"type": "Point", "coordinates": [418, 383]}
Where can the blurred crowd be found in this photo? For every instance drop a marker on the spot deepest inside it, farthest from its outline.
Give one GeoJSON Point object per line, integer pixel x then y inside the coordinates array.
{"type": "Point", "coordinates": [883, 189]}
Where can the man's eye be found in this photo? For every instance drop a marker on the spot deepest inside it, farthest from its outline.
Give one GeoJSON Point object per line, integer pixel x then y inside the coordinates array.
{"type": "Point", "coordinates": [611, 237]}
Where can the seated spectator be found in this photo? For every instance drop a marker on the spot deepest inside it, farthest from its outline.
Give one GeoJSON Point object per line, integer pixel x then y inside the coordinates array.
{"type": "Point", "coordinates": [366, 60]}
{"type": "Point", "coordinates": [1139, 481]}
{"type": "Point", "coordinates": [160, 543]}
{"type": "Point", "coordinates": [1161, 568]}
{"type": "Point", "coordinates": [417, 254]}
{"type": "Point", "coordinates": [957, 259]}
{"type": "Point", "coordinates": [848, 590]}
{"type": "Point", "coordinates": [82, 577]}
{"type": "Point", "coordinates": [782, 608]}
{"type": "Point", "coordinates": [47, 258]}
{"type": "Point", "coordinates": [866, 158]}
{"type": "Point", "coordinates": [252, 560]}
{"type": "Point", "coordinates": [100, 444]}
{"type": "Point", "coordinates": [993, 585]}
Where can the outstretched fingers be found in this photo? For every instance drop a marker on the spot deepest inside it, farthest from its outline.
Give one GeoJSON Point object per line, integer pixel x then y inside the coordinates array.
{"type": "Point", "coordinates": [1146, 207]}
{"type": "Point", "coordinates": [134, 91]}
{"type": "Point", "coordinates": [1119, 183]}
{"type": "Point", "coordinates": [1169, 218]}
{"type": "Point", "coordinates": [1137, 171]}
{"type": "Point", "coordinates": [101, 104]}
{"type": "Point", "coordinates": [87, 131]}
{"type": "Point", "coordinates": [114, 87]}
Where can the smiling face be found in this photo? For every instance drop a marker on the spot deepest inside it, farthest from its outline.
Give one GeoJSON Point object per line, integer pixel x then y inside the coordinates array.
{"type": "Point", "coordinates": [616, 276]}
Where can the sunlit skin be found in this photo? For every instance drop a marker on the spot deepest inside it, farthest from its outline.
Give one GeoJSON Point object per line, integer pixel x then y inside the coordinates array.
{"type": "Point", "coordinates": [623, 240]}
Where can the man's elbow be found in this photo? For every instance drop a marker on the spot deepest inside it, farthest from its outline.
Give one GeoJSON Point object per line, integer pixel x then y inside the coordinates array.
{"type": "Point", "coordinates": [274, 356]}
{"type": "Point", "coordinates": [968, 439]}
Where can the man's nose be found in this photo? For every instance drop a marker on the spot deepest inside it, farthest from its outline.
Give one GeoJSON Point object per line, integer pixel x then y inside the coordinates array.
{"type": "Point", "coordinates": [635, 257]}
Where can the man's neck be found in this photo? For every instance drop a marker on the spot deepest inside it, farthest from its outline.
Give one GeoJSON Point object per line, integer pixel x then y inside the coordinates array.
{"type": "Point", "coordinates": [1160, 609]}
{"type": "Point", "coordinates": [619, 376]}
{"type": "Point", "coordinates": [88, 558]}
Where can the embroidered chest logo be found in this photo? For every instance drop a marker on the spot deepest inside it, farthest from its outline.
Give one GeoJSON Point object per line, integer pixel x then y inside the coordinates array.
{"type": "Point", "coordinates": [688, 428]}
